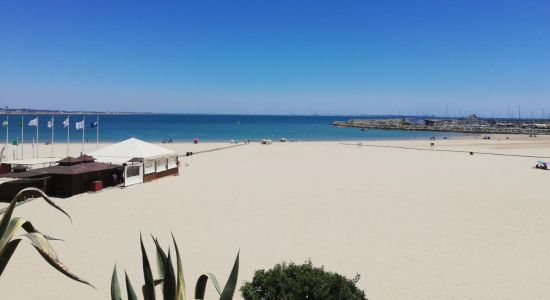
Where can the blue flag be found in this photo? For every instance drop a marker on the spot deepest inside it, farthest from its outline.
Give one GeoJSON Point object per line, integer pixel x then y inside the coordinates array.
{"type": "Point", "coordinates": [93, 125]}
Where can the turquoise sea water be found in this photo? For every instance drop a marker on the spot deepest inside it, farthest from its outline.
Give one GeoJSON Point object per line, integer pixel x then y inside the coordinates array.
{"type": "Point", "coordinates": [183, 128]}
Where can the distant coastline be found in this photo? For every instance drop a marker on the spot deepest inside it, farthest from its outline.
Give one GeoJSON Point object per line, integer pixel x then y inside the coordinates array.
{"type": "Point", "coordinates": [350, 117]}
{"type": "Point", "coordinates": [26, 111]}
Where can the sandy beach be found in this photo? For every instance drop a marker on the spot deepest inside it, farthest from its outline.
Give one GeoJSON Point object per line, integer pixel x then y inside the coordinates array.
{"type": "Point", "coordinates": [414, 223]}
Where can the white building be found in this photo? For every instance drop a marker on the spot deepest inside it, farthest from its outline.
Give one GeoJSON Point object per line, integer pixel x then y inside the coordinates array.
{"type": "Point", "coordinates": [144, 161]}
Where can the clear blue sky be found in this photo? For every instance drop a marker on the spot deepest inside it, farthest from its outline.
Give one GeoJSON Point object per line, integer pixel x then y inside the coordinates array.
{"type": "Point", "coordinates": [277, 56]}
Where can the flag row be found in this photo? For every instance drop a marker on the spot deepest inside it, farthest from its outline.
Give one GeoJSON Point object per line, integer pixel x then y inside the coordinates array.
{"type": "Point", "coordinates": [66, 123]}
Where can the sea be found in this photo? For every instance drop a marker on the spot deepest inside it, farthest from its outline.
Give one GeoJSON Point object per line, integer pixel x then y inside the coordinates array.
{"type": "Point", "coordinates": [186, 127]}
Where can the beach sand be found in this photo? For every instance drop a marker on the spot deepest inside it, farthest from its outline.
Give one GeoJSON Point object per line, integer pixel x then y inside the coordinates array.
{"type": "Point", "coordinates": [416, 224]}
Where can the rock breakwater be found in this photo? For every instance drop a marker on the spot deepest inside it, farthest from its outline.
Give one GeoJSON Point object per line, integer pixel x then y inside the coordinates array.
{"type": "Point", "coordinates": [471, 125]}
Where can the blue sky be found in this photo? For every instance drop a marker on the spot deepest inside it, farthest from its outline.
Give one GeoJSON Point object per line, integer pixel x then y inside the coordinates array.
{"type": "Point", "coordinates": [277, 57]}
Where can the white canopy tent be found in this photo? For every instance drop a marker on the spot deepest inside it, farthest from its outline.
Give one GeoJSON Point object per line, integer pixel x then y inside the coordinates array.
{"type": "Point", "coordinates": [153, 161]}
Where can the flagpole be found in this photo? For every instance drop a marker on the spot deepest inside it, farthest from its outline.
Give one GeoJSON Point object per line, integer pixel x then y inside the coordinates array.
{"type": "Point", "coordinates": [97, 132]}
{"type": "Point", "coordinates": [22, 140]}
{"type": "Point", "coordinates": [68, 137]}
{"type": "Point", "coordinates": [83, 129]}
{"type": "Point", "coordinates": [53, 124]}
{"type": "Point", "coordinates": [37, 141]}
{"type": "Point", "coordinates": [7, 135]}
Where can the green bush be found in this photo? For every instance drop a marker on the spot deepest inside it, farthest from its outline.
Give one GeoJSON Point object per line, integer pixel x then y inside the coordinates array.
{"type": "Point", "coordinates": [291, 281]}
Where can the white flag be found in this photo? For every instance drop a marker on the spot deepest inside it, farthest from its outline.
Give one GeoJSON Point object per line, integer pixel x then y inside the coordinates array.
{"type": "Point", "coordinates": [79, 125]}
{"type": "Point", "coordinates": [34, 122]}
{"type": "Point", "coordinates": [50, 123]}
{"type": "Point", "coordinates": [66, 123]}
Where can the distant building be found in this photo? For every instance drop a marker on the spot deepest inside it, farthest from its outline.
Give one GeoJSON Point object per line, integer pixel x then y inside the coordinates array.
{"type": "Point", "coordinates": [430, 122]}
{"type": "Point", "coordinates": [419, 122]}
{"type": "Point", "coordinates": [414, 121]}
{"type": "Point", "coordinates": [473, 118]}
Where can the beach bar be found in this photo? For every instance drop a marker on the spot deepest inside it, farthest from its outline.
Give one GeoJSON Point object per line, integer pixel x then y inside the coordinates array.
{"type": "Point", "coordinates": [142, 161]}
{"type": "Point", "coordinates": [70, 177]}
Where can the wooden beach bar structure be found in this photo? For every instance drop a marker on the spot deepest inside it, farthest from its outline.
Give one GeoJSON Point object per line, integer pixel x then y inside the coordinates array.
{"type": "Point", "coordinates": [142, 161]}
{"type": "Point", "coordinates": [70, 177]}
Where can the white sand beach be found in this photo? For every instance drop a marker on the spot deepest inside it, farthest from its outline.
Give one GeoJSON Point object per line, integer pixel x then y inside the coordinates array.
{"type": "Point", "coordinates": [415, 224]}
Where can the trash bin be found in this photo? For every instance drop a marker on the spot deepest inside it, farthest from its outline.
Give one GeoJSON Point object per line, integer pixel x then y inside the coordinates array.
{"type": "Point", "coordinates": [96, 186]}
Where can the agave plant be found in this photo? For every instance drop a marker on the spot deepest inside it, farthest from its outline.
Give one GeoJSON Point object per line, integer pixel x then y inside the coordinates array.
{"type": "Point", "coordinates": [9, 227]}
{"type": "Point", "coordinates": [173, 286]}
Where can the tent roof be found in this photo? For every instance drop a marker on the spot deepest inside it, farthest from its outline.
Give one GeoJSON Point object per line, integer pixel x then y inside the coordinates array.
{"type": "Point", "coordinates": [76, 160]}
{"type": "Point", "coordinates": [130, 149]}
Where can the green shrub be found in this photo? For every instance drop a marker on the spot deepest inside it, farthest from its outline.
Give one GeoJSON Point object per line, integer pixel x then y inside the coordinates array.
{"type": "Point", "coordinates": [291, 281]}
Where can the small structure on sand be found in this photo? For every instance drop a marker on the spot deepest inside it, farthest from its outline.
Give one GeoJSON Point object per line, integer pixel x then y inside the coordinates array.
{"type": "Point", "coordinates": [266, 142]}
{"type": "Point", "coordinates": [142, 161]}
{"type": "Point", "coordinates": [70, 177]}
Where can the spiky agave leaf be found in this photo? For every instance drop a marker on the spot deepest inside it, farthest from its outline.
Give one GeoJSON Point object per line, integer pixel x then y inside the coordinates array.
{"type": "Point", "coordinates": [129, 289]}
{"type": "Point", "coordinates": [229, 288]}
{"type": "Point", "coordinates": [180, 282]}
{"type": "Point", "coordinates": [10, 230]}
{"type": "Point", "coordinates": [18, 223]}
{"type": "Point", "coordinates": [7, 216]}
{"type": "Point", "coordinates": [161, 258]}
{"type": "Point", "coordinates": [158, 282]}
{"type": "Point", "coordinates": [6, 252]}
{"type": "Point", "coordinates": [149, 286]}
{"type": "Point", "coordinates": [231, 284]}
{"type": "Point", "coordinates": [165, 271]}
{"type": "Point", "coordinates": [40, 243]}
{"type": "Point", "coordinates": [8, 227]}
{"type": "Point", "coordinates": [28, 227]}
{"type": "Point", "coordinates": [28, 192]}
{"type": "Point", "coordinates": [169, 284]}
{"type": "Point", "coordinates": [200, 287]}
{"type": "Point", "coordinates": [7, 243]}
{"type": "Point", "coordinates": [115, 286]}
{"type": "Point", "coordinates": [155, 283]}
{"type": "Point", "coordinates": [21, 202]}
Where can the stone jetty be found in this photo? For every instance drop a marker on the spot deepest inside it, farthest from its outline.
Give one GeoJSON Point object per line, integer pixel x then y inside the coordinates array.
{"type": "Point", "coordinates": [473, 125]}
